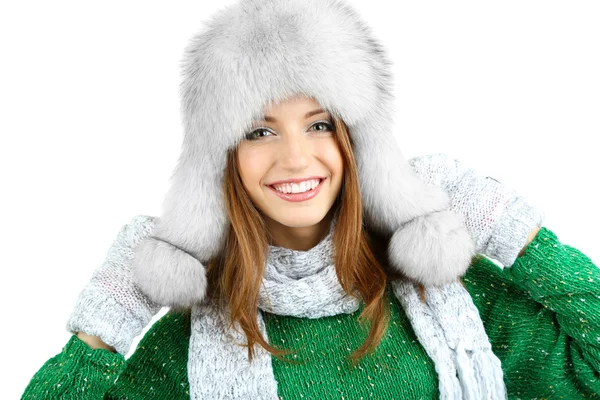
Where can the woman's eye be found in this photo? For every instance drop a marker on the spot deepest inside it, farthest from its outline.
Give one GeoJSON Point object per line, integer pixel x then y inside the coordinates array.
{"type": "Point", "coordinates": [328, 126]}
{"type": "Point", "coordinates": [253, 135]}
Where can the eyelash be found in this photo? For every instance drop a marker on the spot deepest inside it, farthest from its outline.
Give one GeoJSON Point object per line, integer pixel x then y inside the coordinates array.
{"type": "Point", "coordinates": [329, 126]}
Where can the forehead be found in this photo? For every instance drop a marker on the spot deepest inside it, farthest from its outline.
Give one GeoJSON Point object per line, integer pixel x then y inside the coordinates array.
{"type": "Point", "coordinates": [307, 115]}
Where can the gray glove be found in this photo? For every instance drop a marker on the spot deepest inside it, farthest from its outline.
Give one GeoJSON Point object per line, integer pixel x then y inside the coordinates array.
{"type": "Point", "coordinates": [498, 219]}
{"type": "Point", "coordinates": [110, 306]}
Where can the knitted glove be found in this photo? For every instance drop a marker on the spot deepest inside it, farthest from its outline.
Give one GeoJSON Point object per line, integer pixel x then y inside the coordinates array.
{"type": "Point", "coordinates": [111, 306]}
{"type": "Point", "coordinates": [498, 219]}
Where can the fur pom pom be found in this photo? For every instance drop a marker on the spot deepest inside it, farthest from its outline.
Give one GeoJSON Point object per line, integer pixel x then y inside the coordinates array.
{"type": "Point", "coordinates": [168, 275]}
{"type": "Point", "coordinates": [432, 249]}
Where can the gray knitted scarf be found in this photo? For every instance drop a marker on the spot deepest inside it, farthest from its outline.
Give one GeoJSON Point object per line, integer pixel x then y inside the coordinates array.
{"type": "Point", "coordinates": [304, 284]}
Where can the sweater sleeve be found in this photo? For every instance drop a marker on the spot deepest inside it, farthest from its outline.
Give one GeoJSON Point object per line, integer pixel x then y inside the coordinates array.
{"type": "Point", "coordinates": [77, 372]}
{"type": "Point", "coordinates": [157, 369]}
{"type": "Point", "coordinates": [542, 316]}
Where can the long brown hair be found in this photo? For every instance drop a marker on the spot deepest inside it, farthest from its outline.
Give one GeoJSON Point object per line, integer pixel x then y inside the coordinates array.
{"type": "Point", "coordinates": [235, 275]}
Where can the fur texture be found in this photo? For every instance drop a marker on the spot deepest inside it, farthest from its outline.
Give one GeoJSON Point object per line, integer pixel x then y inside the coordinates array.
{"type": "Point", "coordinates": [422, 236]}
{"type": "Point", "coordinates": [182, 282]}
{"type": "Point", "coordinates": [255, 52]}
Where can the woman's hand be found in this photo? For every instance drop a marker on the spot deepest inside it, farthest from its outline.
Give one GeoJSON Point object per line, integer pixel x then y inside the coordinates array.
{"type": "Point", "coordinates": [500, 221]}
{"type": "Point", "coordinates": [94, 342]}
{"type": "Point", "coordinates": [111, 306]}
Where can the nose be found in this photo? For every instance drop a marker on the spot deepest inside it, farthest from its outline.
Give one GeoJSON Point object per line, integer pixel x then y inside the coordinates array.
{"type": "Point", "coordinates": [295, 152]}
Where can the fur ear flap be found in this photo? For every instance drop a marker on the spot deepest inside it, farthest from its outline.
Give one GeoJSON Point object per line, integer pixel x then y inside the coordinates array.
{"type": "Point", "coordinates": [168, 275]}
{"type": "Point", "coordinates": [432, 249]}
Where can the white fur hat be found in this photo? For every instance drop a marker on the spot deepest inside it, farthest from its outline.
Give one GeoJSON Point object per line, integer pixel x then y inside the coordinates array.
{"type": "Point", "coordinates": [255, 52]}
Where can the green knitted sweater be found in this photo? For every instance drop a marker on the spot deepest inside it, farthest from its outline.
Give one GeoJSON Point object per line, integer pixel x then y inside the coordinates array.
{"type": "Point", "coordinates": [542, 316]}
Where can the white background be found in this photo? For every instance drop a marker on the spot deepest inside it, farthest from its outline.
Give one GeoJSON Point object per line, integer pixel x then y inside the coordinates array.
{"type": "Point", "coordinates": [90, 127]}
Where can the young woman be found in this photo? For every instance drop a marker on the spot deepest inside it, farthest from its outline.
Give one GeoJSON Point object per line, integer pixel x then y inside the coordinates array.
{"type": "Point", "coordinates": [303, 257]}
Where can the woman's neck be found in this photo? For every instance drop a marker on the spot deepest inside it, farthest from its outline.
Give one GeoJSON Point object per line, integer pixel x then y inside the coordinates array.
{"type": "Point", "coordinates": [302, 238]}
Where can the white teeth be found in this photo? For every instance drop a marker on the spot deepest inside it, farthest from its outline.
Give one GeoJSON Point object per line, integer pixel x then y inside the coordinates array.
{"type": "Point", "coordinates": [297, 188]}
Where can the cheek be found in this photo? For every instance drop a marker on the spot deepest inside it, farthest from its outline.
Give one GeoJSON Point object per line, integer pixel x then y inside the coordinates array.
{"type": "Point", "coordinates": [332, 157]}
{"type": "Point", "coordinates": [252, 165]}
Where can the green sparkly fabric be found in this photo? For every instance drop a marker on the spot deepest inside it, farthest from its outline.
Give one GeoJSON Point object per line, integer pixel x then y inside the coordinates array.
{"type": "Point", "coordinates": [78, 372]}
{"type": "Point", "coordinates": [158, 367]}
{"type": "Point", "coordinates": [326, 373]}
{"type": "Point", "coordinates": [156, 370]}
{"type": "Point", "coordinates": [542, 316]}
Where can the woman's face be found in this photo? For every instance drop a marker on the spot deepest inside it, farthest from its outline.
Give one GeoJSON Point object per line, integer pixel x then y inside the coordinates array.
{"type": "Point", "coordinates": [294, 142]}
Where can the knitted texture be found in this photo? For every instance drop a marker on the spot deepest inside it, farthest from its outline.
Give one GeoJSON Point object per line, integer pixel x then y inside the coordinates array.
{"type": "Point", "coordinates": [156, 370]}
{"type": "Point", "coordinates": [448, 326]}
{"type": "Point", "coordinates": [399, 367]}
{"type": "Point", "coordinates": [218, 362]}
{"type": "Point", "coordinates": [541, 316]}
{"type": "Point", "coordinates": [290, 274]}
{"type": "Point", "coordinates": [78, 372]}
{"type": "Point", "coordinates": [304, 284]}
{"type": "Point", "coordinates": [497, 218]}
{"type": "Point", "coordinates": [110, 305]}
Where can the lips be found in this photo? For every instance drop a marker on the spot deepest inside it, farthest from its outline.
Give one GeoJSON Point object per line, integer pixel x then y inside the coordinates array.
{"type": "Point", "coordinates": [297, 180]}
{"type": "Point", "coordinates": [272, 186]}
{"type": "Point", "coordinates": [298, 197]}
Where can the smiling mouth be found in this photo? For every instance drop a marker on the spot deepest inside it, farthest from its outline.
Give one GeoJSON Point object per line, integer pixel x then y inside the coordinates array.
{"type": "Point", "coordinates": [292, 193]}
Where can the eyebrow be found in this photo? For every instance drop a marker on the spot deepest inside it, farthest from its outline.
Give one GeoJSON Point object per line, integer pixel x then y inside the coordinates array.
{"type": "Point", "coordinates": [307, 115]}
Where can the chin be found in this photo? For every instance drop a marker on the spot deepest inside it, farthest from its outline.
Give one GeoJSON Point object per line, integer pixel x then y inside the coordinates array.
{"type": "Point", "coordinates": [300, 218]}
{"type": "Point", "coordinates": [299, 222]}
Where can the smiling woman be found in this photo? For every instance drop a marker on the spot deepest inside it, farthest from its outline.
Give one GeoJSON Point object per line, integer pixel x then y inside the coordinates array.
{"type": "Point", "coordinates": [293, 219]}
{"type": "Point", "coordinates": [294, 175]}
{"type": "Point", "coordinates": [263, 219]}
